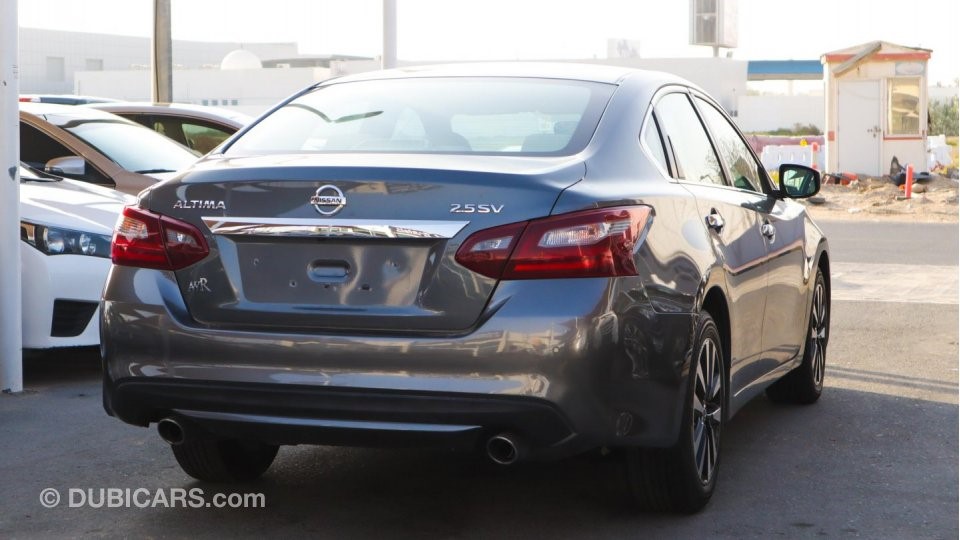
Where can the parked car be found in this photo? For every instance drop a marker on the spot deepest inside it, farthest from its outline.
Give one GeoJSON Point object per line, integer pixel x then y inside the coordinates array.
{"type": "Point", "coordinates": [532, 260]}
{"type": "Point", "coordinates": [97, 147]}
{"type": "Point", "coordinates": [197, 127]}
{"type": "Point", "coordinates": [63, 99]}
{"type": "Point", "coordinates": [65, 230]}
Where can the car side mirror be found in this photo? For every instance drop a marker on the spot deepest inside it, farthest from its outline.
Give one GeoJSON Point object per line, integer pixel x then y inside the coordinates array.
{"type": "Point", "coordinates": [66, 166]}
{"type": "Point", "coordinates": [798, 181]}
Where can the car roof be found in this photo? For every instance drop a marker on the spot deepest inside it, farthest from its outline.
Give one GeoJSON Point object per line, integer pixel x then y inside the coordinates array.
{"type": "Point", "coordinates": [547, 70]}
{"type": "Point", "coordinates": [226, 116]}
{"type": "Point", "coordinates": [62, 114]}
{"type": "Point", "coordinates": [63, 99]}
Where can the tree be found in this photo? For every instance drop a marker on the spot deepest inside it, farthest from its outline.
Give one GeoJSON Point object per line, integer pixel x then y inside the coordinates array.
{"type": "Point", "coordinates": [943, 117]}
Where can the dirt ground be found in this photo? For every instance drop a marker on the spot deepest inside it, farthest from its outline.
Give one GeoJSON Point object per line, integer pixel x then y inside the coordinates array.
{"type": "Point", "coordinates": [867, 198]}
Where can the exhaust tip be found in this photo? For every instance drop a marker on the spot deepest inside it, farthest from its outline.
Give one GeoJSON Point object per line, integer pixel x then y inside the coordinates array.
{"type": "Point", "coordinates": [503, 449]}
{"type": "Point", "coordinates": [170, 431]}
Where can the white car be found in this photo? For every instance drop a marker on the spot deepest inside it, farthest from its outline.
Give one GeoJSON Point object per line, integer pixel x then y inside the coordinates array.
{"type": "Point", "coordinates": [65, 232]}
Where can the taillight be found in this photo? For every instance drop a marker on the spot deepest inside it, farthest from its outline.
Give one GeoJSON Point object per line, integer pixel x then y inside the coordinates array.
{"type": "Point", "coordinates": [487, 251]}
{"type": "Point", "coordinates": [147, 240]}
{"type": "Point", "coordinates": [592, 243]}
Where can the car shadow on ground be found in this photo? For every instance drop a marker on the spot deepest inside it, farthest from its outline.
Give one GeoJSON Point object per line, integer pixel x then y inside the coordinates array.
{"type": "Point", "coordinates": [856, 463]}
{"type": "Point", "coordinates": [787, 471]}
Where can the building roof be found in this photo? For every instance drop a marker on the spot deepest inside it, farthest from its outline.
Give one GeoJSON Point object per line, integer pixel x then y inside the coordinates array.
{"type": "Point", "coordinates": [878, 51]}
{"type": "Point", "coordinates": [781, 70]}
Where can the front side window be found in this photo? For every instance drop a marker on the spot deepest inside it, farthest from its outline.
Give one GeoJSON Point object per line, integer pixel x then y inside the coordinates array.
{"type": "Point", "coordinates": [37, 148]}
{"type": "Point", "coordinates": [904, 106]}
{"type": "Point", "coordinates": [687, 141]}
{"type": "Point", "coordinates": [493, 115]}
{"type": "Point", "coordinates": [743, 168]}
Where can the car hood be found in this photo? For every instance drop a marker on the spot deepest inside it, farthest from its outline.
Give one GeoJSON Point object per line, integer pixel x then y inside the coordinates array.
{"type": "Point", "coordinates": [71, 204]}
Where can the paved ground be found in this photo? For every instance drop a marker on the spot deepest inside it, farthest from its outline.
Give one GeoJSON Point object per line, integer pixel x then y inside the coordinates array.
{"type": "Point", "coordinates": [877, 457]}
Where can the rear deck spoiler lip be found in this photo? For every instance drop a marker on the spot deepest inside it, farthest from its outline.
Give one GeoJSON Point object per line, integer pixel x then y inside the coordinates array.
{"type": "Point", "coordinates": [332, 228]}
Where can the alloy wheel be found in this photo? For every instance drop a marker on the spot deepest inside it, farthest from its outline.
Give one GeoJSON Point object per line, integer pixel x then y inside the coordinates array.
{"type": "Point", "coordinates": [707, 409]}
{"type": "Point", "coordinates": [818, 335]}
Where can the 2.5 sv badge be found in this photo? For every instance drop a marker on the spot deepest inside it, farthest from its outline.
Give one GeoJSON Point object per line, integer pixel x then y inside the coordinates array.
{"type": "Point", "coordinates": [328, 200]}
{"type": "Point", "coordinates": [470, 208]}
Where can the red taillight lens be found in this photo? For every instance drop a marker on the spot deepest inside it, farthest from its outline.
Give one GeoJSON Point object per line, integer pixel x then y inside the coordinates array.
{"type": "Point", "coordinates": [487, 251]}
{"type": "Point", "coordinates": [593, 243]}
{"type": "Point", "coordinates": [147, 240]}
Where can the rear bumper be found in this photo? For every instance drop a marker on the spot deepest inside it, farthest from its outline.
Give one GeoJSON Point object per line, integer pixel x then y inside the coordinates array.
{"type": "Point", "coordinates": [309, 415]}
{"type": "Point", "coordinates": [564, 373]}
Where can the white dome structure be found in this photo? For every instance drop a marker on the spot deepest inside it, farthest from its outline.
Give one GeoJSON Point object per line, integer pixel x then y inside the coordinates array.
{"type": "Point", "coordinates": [241, 59]}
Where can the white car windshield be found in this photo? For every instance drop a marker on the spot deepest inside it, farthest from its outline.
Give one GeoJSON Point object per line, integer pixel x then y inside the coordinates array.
{"type": "Point", "coordinates": [131, 146]}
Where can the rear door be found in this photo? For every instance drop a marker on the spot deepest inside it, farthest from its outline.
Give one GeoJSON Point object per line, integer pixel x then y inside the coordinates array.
{"type": "Point", "coordinates": [731, 217]}
{"type": "Point", "coordinates": [782, 226]}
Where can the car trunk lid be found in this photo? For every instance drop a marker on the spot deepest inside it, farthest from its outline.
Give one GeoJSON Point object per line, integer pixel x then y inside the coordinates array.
{"type": "Point", "coordinates": [361, 243]}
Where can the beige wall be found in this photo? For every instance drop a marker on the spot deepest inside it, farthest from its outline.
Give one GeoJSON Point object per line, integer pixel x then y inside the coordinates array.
{"type": "Point", "coordinates": [254, 90]}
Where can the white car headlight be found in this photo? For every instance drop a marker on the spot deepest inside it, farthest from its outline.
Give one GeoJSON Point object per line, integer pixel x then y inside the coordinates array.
{"type": "Point", "coordinates": [60, 241]}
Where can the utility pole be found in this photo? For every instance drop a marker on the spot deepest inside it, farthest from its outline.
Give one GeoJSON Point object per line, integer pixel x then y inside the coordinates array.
{"type": "Point", "coordinates": [389, 58]}
{"type": "Point", "coordinates": [11, 339]}
{"type": "Point", "coordinates": [161, 59]}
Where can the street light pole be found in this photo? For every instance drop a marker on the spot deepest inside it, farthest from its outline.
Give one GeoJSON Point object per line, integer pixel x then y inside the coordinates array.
{"type": "Point", "coordinates": [162, 54]}
{"type": "Point", "coordinates": [11, 340]}
{"type": "Point", "coordinates": [389, 58]}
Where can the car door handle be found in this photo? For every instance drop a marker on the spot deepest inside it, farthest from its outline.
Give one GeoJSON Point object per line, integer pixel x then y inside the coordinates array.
{"type": "Point", "coordinates": [715, 220]}
{"type": "Point", "coordinates": [768, 230]}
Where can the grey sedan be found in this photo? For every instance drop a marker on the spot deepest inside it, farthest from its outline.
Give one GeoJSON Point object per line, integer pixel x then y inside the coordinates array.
{"type": "Point", "coordinates": [526, 260]}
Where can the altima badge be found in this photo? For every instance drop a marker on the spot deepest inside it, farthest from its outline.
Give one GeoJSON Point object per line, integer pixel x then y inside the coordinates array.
{"type": "Point", "coordinates": [203, 204]}
{"type": "Point", "coordinates": [328, 200]}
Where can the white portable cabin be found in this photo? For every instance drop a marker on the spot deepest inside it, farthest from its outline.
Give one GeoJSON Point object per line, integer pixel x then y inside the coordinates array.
{"type": "Point", "coordinates": [876, 107]}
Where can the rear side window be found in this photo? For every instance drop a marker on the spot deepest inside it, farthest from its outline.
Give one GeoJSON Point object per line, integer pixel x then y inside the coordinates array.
{"type": "Point", "coordinates": [654, 142]}
{"type": "Point", "coordinates": [515, 116]}
{"type": "Point", "coordinates": [686, 141]}
{"type": "Point", "coordinates": [203, 137]}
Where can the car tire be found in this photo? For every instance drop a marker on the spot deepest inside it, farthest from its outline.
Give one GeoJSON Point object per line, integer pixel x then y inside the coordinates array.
{"type": "Point", "coordinates": [224, 460]}
{"type": "Point", "coordinates": [804, 384]}
{"type": "Point", "coordinates": [682, 478]}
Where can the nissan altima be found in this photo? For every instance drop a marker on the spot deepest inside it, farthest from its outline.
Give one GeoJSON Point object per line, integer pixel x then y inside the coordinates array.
{"type": "Point", "coordinates": [527, 260]}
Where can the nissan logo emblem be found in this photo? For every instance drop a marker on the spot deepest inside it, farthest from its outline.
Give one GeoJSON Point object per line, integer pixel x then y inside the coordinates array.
{"type": "Point", "coordinates": [328, 200]}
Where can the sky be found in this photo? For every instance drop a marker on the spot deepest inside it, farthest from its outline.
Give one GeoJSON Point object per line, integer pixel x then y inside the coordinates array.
{"type": "Point", "coordinates": [453, 30]}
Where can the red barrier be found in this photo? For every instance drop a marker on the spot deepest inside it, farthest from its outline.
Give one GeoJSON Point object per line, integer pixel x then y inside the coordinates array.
{"type": "Point", "coordinates": [908, 187]}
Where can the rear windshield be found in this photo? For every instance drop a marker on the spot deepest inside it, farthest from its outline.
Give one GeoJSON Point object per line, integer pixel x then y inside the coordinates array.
{"type": "Point", "coordinates": [435, 115]}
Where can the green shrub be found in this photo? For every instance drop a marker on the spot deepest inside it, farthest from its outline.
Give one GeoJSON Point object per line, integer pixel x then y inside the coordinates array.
{"type": "Point", "coordinates": [943, 117]}
{"type": "Point", "coordinates": [798, 130]}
